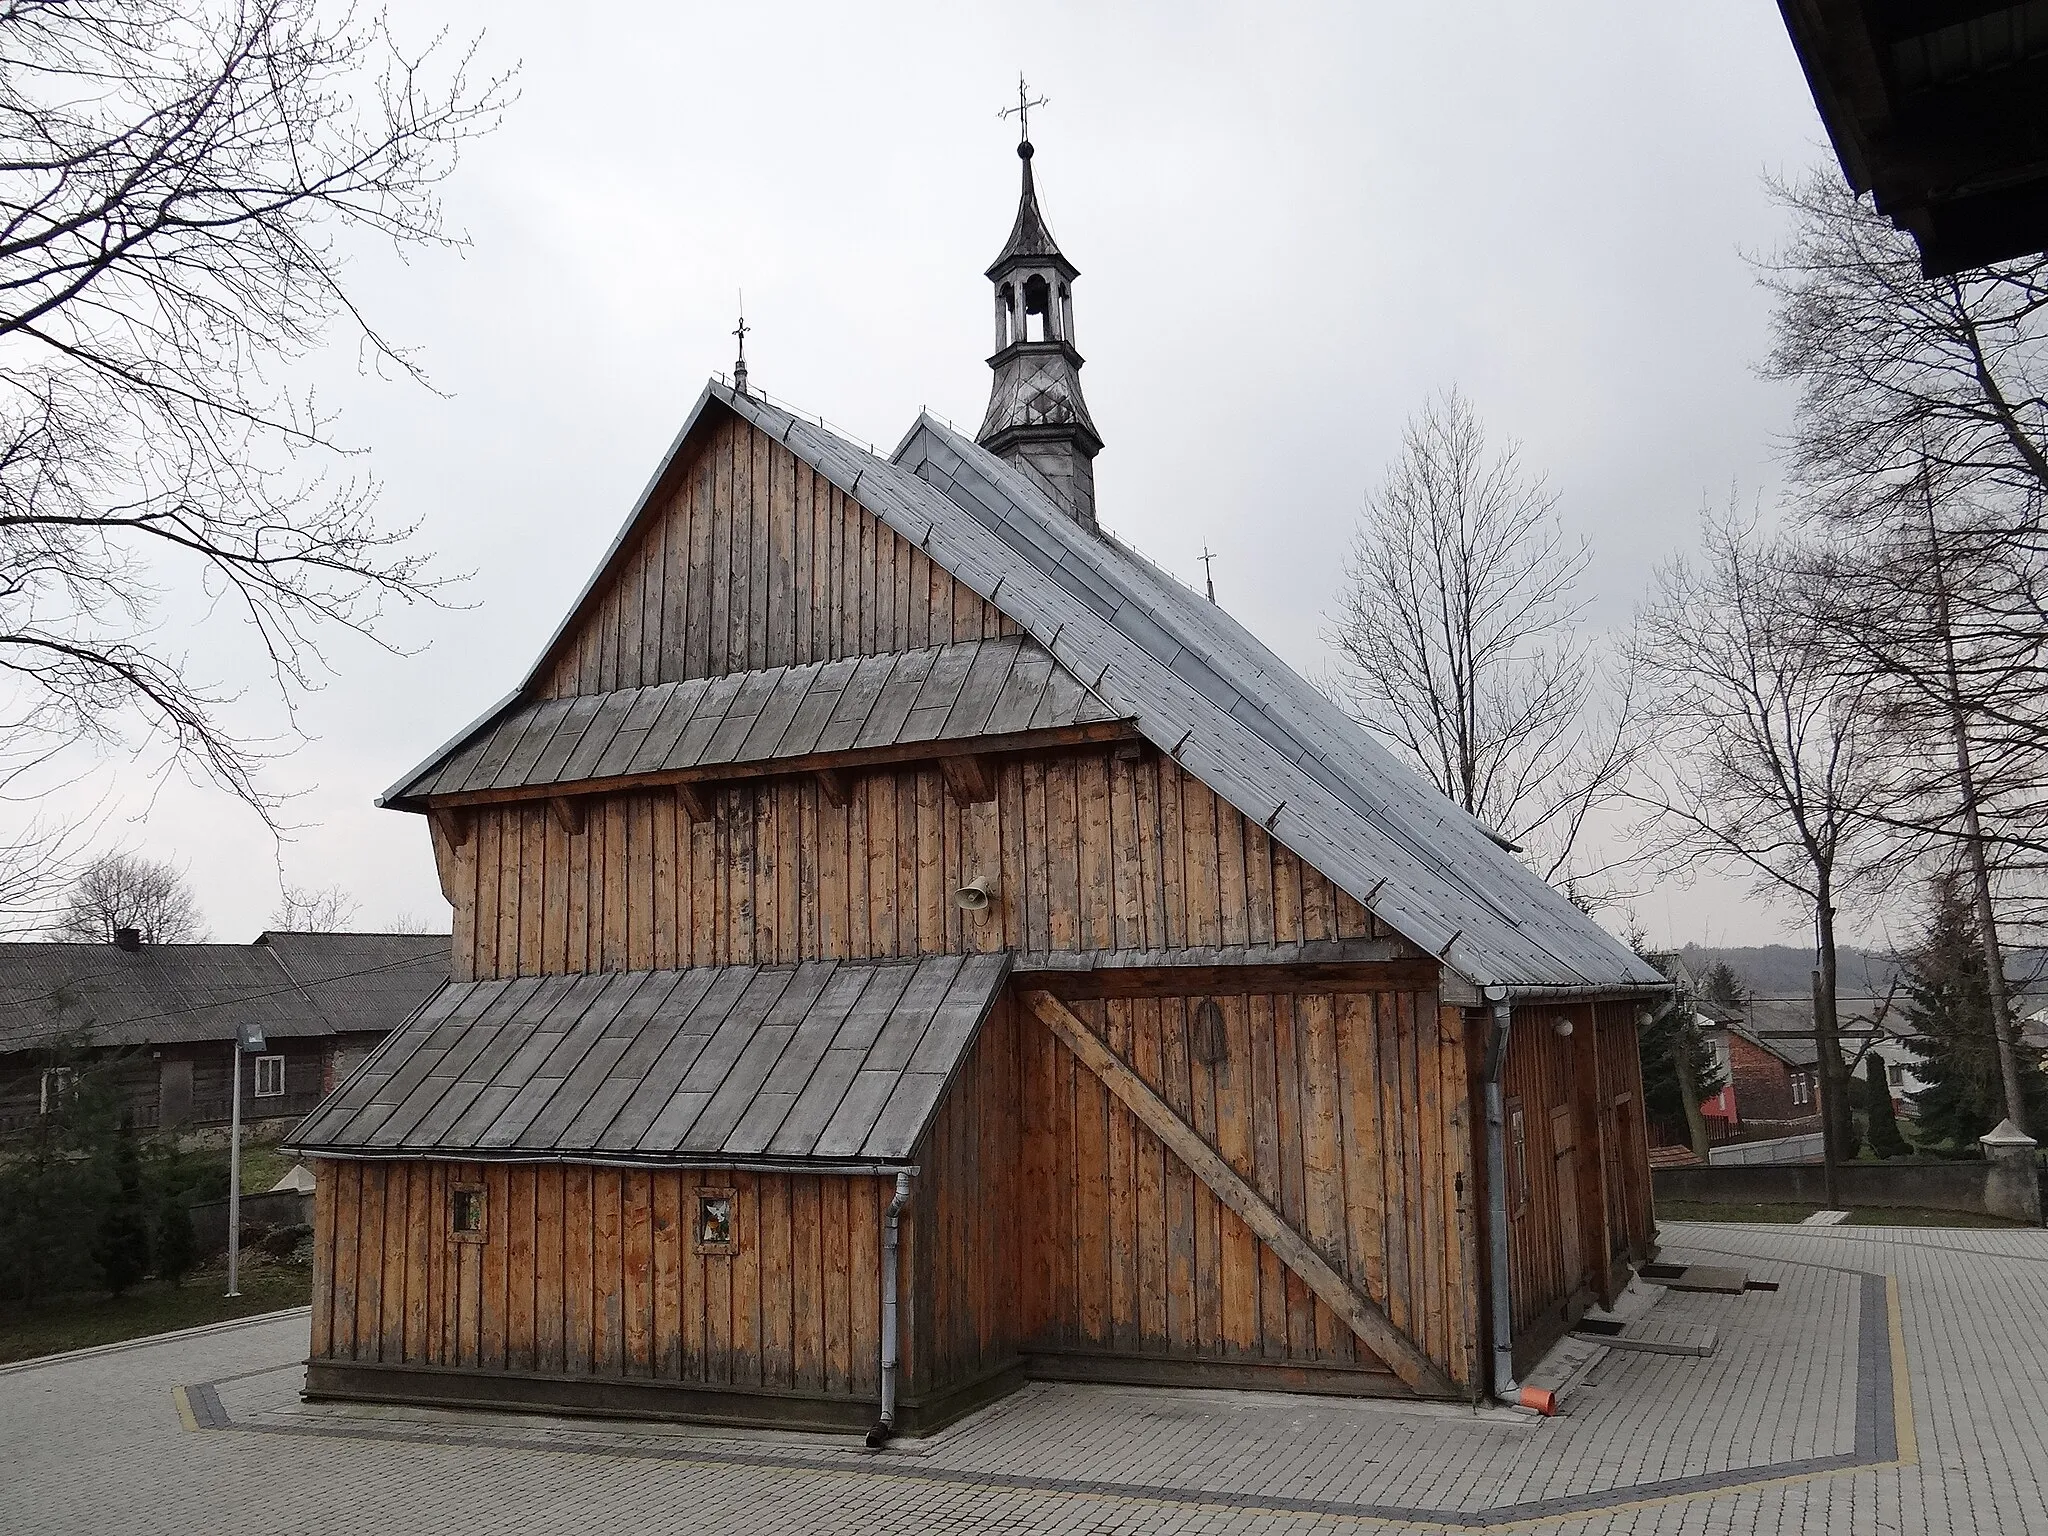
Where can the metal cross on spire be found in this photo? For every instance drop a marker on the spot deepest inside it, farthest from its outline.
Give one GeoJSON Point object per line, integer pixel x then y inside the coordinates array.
{"type": "Point", "coordinates": [1022, 111]}
{"type": "Point", "coordinates": [739, 369]}
{"type": "Point", "coordinates": [1209, 571]}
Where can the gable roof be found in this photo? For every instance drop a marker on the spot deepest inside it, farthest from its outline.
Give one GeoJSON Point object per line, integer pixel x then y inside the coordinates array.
{"type": "Point", "coordinates": [826, 1063]}
{"type": "Point", "coordinates": [290, 985]}
{"type": "Point", "coordinates": [1202, 689]}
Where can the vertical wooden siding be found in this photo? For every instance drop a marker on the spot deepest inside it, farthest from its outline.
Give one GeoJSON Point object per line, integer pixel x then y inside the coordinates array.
{"type": "Point", "coordinates": [591, 1271]}
{"type": "Point", "coordinates": [1346, 1111]}
{"type": "Point", "coordinates": [1538, 1074]}
{"type": "Point", "coordinates": [1088, 851]}
{"type": "Point", "coordinates": [1633, 1217]}
{"type": "Point", "coordinates": [965, 1218]}
{"type": "Point", "coordinates": [1574, 1082]}
{"type": "Point", "coordinates": [753, 560]}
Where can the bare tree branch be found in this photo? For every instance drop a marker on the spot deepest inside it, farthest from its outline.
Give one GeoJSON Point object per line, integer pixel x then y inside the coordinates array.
{"type": "Point", "coordinates": [1460, 636]}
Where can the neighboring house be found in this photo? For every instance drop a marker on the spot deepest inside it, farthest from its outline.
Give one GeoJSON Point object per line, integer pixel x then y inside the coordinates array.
{"type": "Point", "coordinates": [1863, 1024]}
{"type": "Point", "coordinates": [879, 841]}
{"type": "Point", "coordinates": [160, 1019]}
{"type": "Point", "coordinates": [1769, 1085]}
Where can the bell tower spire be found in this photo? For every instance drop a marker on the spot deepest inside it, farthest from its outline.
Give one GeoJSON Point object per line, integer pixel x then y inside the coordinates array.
{"type": "Point", "coordinates": [1036, 417]}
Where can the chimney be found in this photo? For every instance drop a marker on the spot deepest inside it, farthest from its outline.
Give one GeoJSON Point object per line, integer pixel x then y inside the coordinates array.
{"type": "Point", "coordinates": [129, 939]}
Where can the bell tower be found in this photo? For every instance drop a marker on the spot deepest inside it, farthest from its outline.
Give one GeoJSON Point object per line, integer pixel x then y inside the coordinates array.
{"type": "Point", "coordinates": [1036, 417]}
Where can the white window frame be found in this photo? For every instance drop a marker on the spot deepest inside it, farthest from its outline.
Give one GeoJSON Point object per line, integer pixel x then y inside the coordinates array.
{"type": "Point", "coordinates": [55, 1086]}
{"type": "Point", "coordinates": [264, 1066]}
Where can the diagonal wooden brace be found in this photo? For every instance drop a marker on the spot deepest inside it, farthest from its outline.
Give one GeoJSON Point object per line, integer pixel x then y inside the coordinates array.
{"type": "Point", "coordinates": [1358, 1312]}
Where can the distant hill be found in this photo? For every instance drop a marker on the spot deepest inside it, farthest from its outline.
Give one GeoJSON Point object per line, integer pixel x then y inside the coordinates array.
{"type": "Point", "coordinates": [1779, 970]}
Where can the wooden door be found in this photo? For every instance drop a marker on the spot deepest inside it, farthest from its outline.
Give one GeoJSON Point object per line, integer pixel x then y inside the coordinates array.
{"type": "Point", "coordinates": [1566, 1184]}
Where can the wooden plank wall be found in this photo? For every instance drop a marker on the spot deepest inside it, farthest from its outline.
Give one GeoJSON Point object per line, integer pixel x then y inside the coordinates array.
{"type": "Point", "coordinates": [1088, 850]}
{"type": "Point", "coordinates": [1538, 1073]}
{"type": "Point", "coordinates": [591, 1271]}
{"type": "Point", "coordinates": [1346, 1110]}
{"type": "Point", "coordinates": [1544, 1071]}
{"type": "Point", "coordinates": [1631, 1204]}
{"type": "Point", "coordinates": [965, 1215]}
{"type": "Point", "coordinates": [753, 560]}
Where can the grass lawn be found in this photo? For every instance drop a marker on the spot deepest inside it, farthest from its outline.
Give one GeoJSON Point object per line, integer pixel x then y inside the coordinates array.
{"type": "Point", "coordinates": [1869, 1216]}
{"type": "Point", "coordinates": [80, 1321]}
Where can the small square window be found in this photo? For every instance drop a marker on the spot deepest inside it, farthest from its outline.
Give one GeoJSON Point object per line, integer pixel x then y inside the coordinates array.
{"type": "Point", "coordinates": [716, 1216]}
{"type": "Point", "coordinates": [468, 1214]}
{"type": "Point", "coordinates": [269, 1077]}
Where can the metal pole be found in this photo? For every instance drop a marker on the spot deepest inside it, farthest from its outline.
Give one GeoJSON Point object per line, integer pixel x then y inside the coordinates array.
{"type": "Point", "coordinates": [235, 1170]}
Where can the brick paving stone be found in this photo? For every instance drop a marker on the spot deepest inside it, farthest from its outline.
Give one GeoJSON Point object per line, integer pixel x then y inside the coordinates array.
{"type": "Point", "coordinates": [94, 1443]}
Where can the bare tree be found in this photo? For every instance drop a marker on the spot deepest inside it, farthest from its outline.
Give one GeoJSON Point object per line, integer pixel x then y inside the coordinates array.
{"type": "Point", "coordinates": [411, 923]}
{"type": "Point", "coordinates": [125, 890]}
{"type": "Point", "coordinates": [1461, 641]}
{"type": "Point", "coordinates": [306, 909]}
{"type": "Point", "coordinates": [1894, 368]}
{"type": "Point", "coordinates": [1922, 434]}
{"type": "Point", "coordinates": [1766, 759]}
{"type": "Point", "coordinates": [177, 181]}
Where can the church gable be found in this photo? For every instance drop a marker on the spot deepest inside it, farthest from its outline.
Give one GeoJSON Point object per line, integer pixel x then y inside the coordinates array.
{"type": "Point", "coordinates": [745, 558]}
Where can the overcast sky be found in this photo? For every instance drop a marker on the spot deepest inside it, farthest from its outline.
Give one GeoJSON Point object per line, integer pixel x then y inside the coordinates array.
{"type": "Point", "coordinates": [1292, 223]}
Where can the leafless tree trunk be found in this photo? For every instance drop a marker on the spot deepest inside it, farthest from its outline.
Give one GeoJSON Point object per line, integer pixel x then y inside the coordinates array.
{"type": "Point", "coordinates": [1764, 760]}
{"type": "Point", "coordinates": [125, 890]}
{"type": "Point", "coordinates": [1461, 643]}
{"type": "Point", "coordinates": [176, 182]}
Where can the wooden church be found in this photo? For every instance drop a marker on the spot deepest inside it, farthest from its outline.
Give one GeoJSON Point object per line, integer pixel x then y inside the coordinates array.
{"type": "Point", "coordinates": [906, 944]}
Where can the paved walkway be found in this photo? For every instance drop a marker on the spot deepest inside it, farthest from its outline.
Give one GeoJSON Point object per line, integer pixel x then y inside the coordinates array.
{"type": "Point", "coordinates": [1891, 1384]}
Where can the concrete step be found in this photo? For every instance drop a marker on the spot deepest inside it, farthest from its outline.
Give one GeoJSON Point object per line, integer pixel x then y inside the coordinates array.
{"type": "Point", "coordinates": [1697, 1277]}
{"type": "Point", "coordinates": [1647, 1335]}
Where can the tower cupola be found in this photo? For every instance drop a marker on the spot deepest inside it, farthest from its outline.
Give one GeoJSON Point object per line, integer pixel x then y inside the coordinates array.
{"type": "Point", "coordinates": [1036, 417]}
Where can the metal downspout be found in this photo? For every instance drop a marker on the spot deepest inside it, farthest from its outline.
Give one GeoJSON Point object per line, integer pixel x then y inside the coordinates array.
{"type": "Point", "coordinates": [1505, 1388]}
{"type": "Point", "coordinates": [885, 1426]}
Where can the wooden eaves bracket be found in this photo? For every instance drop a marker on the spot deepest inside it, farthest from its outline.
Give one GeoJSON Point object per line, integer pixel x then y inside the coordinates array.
{"type": "Point", "coordinates": [1358, 1312]}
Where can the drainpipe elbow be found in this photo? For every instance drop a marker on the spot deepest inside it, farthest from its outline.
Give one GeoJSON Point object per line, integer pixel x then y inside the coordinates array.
{"type": "Point", "coordinates": [1537, 1400]}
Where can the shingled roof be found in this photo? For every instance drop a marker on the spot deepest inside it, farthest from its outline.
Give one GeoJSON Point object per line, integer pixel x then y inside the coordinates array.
{"type": "Point", "coordinates": [1205, 691]}
{"type": "Point", "coordinates": [969, 690]}
{"type": "Point", "coordinates": [291, 985]}
{"type": "Point", "coordinates": [828, 1063]}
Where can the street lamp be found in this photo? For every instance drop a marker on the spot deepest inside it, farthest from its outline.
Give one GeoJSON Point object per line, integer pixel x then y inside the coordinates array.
{"type": "Point", "coordinates": [248, 1042]}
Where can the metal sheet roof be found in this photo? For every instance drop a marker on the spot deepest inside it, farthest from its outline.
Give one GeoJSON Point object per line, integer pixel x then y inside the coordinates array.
{"type": "Point", "coordinates": [1202, 688]}
{"type": "Point", "coordinates": [1205, 690]}
{"type": "Point", "coordinates": [290, 985]}
{"type": "Point", "coordinates": [974, 688]}
{"type": "Point", "coordinates": [831, 1062]}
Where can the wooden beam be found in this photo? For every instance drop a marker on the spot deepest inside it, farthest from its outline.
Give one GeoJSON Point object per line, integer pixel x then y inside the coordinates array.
{"type": "Point", "coordinates": [836, 785]}
{"type": "Point", "coordinates": [455, 823]}
{"type": "Point", "coordinates": [568, 811]}
{"type": "Point", "coordinates": [969, 778]}
{"type": "Point", "coordinates": [1358, 1312]}
{"type": "Point", "coordinates": [691, 802]}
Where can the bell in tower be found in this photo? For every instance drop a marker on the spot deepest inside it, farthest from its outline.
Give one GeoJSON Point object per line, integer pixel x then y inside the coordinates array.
{"type": "Point", "coordinates": [1036, 418]}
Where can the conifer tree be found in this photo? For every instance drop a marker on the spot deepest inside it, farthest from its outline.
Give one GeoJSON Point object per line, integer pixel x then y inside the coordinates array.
{"type": "Point", "coordinates": [1884, 1135]}
{"type": "Point", "coordinates": [123, 1246]}
{"type": "Point", "coordinates": [177, 1245]}
{"type": "Point", "coordinates": [1948, 1002]}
